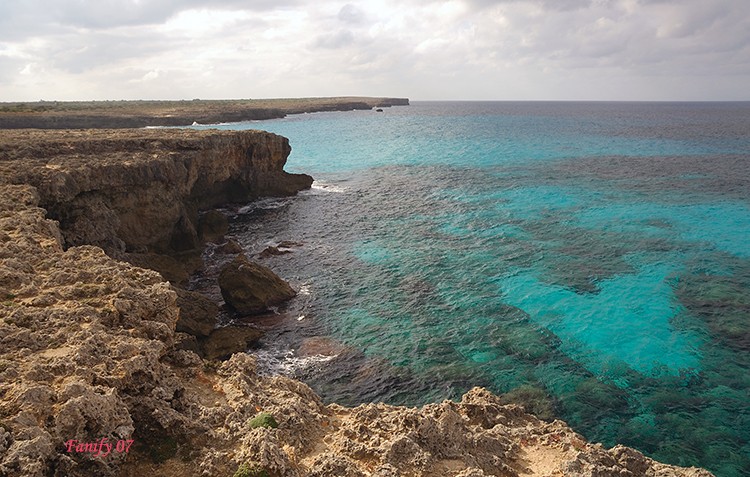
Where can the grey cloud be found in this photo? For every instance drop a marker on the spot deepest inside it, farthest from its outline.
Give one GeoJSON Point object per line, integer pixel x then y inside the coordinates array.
{"type": "Point", "coordinates": [700, 17]}
{"type": "Point", "coordinates": [547, 4]}
{"type": "Point", "coordinates": [402, 45]}
{"type": "Point", "coordinates": [20, 19]}
{"type": "Point", "coordinates": [663, 36]}
{"type": "Point", "coordinates": [77, 54]}
{"type": "Point", "coordinates": [351, 14]}
{"type": "Point", "coordinates": [338, 39]}
{"type": "Point", "coordinates": [109, 13]}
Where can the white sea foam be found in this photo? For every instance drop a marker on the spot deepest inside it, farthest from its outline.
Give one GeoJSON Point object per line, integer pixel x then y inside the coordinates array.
{"type": "Point", "coordinates": [322, 187]}
{"type": "Point", "coordinates": [276, 360]}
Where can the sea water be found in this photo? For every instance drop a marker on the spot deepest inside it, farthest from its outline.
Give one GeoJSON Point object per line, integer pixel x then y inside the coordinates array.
{"type": "Point", "coordinates": [592, 259]}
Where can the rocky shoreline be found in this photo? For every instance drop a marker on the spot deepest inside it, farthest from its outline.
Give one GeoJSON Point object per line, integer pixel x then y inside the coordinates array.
{"type": "Point", "coordinates": [93, 352]}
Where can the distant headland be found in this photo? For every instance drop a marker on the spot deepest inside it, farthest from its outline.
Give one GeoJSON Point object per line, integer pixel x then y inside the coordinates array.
{"type": "Point", "coordinates": [137, 114]}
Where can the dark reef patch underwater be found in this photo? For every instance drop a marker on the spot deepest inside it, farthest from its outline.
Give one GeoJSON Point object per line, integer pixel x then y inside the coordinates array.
{"type": "Point", "coordinates": [592, 259]}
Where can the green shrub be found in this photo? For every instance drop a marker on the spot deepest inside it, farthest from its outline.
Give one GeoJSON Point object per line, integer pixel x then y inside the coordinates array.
{"type": "Point", "coordinates": [264, 419]}
{"type": "Point", "coordinates": [251, 470]}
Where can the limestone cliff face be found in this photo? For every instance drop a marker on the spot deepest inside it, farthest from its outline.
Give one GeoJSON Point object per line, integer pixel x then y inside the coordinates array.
{"type": "Point", "coordinates": [141, 190]}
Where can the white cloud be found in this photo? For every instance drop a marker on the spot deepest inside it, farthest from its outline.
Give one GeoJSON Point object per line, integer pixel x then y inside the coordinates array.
{"type": "Point", "coordinates": [425, 49]}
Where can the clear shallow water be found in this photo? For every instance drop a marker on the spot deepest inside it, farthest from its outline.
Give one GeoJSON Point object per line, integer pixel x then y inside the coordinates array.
{"type": "Point", "coordinates": [596, 254]}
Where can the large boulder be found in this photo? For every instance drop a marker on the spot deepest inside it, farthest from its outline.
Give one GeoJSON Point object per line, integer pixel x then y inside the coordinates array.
{"type": "Point", "coordinates": [251, 288]}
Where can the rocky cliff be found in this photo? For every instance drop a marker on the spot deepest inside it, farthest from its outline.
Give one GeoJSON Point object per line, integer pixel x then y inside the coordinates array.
{"type": "Point", "coordinates": [142, 190]}
{"type": "Point", "coordinates": [89, 356]}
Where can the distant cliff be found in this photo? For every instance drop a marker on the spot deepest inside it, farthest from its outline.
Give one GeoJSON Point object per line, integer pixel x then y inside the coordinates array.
{"type": "Point", "coordinates": [138, 114]}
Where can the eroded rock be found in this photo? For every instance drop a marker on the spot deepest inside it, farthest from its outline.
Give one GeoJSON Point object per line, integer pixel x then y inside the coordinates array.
{"type": "Point", "coordinates": [141, 190]}
{"type": "Point", "coordinates": [229, 247]}
{"type": "Point", "coordinates": [224, 342]}
{"type": "Point", "coordinates": [251, 288]}
{"type": "Point", "coordinates": [198, 314]}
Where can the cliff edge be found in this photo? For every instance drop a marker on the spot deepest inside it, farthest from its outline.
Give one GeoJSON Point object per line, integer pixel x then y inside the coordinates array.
{"type": "Point", "coordinates": [141, 190]}
{"type": "Point", "coordinates": [89, 356]}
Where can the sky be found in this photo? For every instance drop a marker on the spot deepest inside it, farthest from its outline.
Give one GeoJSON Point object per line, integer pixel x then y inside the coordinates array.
{"type": "Point", "coordinates": [421, 49]}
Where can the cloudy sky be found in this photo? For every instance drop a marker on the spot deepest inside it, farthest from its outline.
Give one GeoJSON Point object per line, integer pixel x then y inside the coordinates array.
{"type": "Point", "coordinates": [421, 49]}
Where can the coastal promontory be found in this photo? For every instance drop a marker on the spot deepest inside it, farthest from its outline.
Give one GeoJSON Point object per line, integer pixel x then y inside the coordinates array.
{"type": "Point", "coordinates": [95, 379]}
{"type": "Point", "coordinates": [138, 114]}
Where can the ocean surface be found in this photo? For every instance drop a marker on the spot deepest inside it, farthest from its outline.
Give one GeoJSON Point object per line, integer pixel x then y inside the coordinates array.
{"type": "Point", "coordinates": [590, 259]}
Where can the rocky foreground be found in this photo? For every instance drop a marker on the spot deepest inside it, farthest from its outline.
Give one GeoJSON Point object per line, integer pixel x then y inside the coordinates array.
{"type": "Point", "coordinates": [95, 379]}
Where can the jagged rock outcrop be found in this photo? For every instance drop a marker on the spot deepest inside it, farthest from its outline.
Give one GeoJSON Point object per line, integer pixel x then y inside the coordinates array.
{"type": "Point", "coordinates": [82, 338]}
{"type": "Point", "coordinates": [89, 351]}
{"type": "Point", "coordinates": [142, 190]}
{"type": "Point", "coordinates": [251, 288]}
{"type": "Point", "coordinates": [198, 314]}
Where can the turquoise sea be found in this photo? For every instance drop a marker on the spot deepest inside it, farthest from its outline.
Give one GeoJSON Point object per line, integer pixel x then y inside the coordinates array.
{"type": "Point", "coordinates": [590, 259]}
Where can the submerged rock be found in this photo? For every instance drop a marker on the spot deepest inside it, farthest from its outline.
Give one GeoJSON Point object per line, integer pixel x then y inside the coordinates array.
{"type": "Point", "coordinates": [320, 346]}
{"type": "Point", "coordinates": [251, 288]}
{"type": "Point", "coordinates": [271, 251]}
{"type": "Point", "coordinates": [229, 247]}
